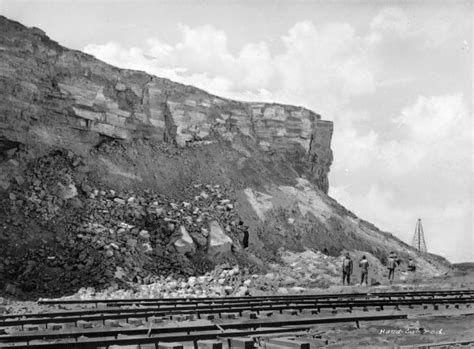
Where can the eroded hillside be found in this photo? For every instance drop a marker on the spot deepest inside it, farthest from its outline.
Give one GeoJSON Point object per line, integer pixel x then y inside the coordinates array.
{"type": "Point", "coordinates": [111, 175]}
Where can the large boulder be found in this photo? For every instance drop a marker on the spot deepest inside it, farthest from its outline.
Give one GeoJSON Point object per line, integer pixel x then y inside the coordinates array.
{"type": "Point", "coordinates": [219, 242]}
{"type": "Point", "coordinates": [184, 243]}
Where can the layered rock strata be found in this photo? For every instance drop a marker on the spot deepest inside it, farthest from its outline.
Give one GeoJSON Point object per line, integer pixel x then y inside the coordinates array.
{"type": "Point", "coordinates": [53, 96]}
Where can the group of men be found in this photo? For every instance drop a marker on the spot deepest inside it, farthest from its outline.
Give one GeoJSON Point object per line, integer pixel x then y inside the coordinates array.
{"type": "Point", "coordinates": [392, 263]}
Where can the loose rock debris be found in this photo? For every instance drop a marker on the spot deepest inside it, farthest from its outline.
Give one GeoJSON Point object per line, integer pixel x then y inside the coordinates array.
{"type": "Point", "coordinates": [70, 232]}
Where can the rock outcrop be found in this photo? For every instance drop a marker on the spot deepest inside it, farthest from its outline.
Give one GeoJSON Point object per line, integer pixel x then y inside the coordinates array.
{"type": "Point", "coordinates": [52, 96]}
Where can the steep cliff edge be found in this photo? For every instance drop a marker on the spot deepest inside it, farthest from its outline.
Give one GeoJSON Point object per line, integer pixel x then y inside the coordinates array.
{"type": "Point", "coordinates": [52, 96]}
{"type": "Point", "coordinates": [111, 175]}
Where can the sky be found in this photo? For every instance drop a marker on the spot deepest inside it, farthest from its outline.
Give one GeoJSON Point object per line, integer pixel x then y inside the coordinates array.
{"type": "Point", "coordinates": [394, 76]}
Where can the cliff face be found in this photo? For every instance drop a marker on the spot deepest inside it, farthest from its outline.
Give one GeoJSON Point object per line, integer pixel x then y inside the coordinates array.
{"type": "Point", "coordinates": [52, 96]}
{"type": "Point", "coordinates": [96, 161]}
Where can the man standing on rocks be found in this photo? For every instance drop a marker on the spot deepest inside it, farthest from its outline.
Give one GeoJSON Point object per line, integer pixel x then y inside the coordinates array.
{"type": "Point", "coordinates": [364, 270]}
{"type": "Point", "coordinates": [346, 269]}
{"type": "Point", "coordinates": [411, 265]}
{"type": "Point", "coordinates": [391, 266]}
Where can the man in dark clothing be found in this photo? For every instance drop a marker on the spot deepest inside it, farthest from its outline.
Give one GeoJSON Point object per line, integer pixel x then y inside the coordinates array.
{"type": "Point", "coordinates": [411, 265]}
{"type": "Point", "coordinates": [391, 266]}
{"type": "Point", "coordinates": [346, 269]}
{"type": "Point", "coordinates": [244, 234]}
{"type": "Point", "coordinates": [364, 270]}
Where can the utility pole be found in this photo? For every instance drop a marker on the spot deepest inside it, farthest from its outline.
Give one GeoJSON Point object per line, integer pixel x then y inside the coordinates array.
{"type": "Point", "coordinates": [419, 237]}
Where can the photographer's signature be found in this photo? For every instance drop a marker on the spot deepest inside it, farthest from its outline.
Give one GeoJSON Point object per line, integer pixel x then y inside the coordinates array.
{"type": "Point", "coordinates": [411, 331]}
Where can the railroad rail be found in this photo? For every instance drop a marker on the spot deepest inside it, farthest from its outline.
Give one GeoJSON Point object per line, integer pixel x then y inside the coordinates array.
{"type": "Point", "coordinates": [150, 323]}
{"type": "Point", "coordinates": [187, 300]}
{"type": "Point", "coordinates": [444, 345]}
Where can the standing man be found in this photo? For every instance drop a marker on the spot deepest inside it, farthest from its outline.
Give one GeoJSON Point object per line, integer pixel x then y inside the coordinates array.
{"type": "Point", "coordinates": [346, 269]}
{"type": "Point", "coordinates": [364, 270]}
{"type": "Point", "coordinates": [391, 266]}
{"type": "Point", "coordinates": [411, 265]}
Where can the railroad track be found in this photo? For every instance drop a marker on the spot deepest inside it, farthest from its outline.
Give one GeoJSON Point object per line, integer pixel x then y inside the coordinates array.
{"type": "Point", "coordinates": [237, 321]}
{"type": "Point", "coordinates": [193, 334]}
{"type": "Point", "coordinates": [223, 310]}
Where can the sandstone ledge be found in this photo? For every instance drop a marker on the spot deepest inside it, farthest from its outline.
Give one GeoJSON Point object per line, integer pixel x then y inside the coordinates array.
{"type": "Point", "coordinates": [54, 97]}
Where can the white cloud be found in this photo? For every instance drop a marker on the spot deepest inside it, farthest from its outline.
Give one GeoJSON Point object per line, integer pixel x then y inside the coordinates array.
{"type": "Point", "coordinates": [354, 151]}
{"type": "Point", "coordinates": [433, 119]}
{"type": "Point", "coordinates": [391, 21]}
{"type": "Point", "coordinates": [437, 136]}
{"type": "Point", "coordinates": [395, 23]}
{"type": "Point", "coordinates": [433, 134]}
{"type": "Point", "coordinates": [324, 65]}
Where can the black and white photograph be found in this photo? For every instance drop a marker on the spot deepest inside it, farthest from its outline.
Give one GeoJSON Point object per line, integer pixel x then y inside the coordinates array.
{"type": "Point", "coordinates": [205, 174]}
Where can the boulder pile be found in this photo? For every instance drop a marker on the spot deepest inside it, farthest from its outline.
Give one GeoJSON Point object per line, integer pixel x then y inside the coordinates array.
{"type": "Point", "coordinates": [299, 273]}
{"type": "Point", "coordinates": [87, 234]}
{"type": "Point", "coordinates": [222, 281]}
